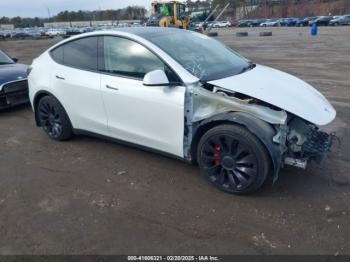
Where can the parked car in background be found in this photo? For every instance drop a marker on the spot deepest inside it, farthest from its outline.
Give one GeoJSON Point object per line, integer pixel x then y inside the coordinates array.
{"type": "Point", "coordinates": [214, 24]}
{"type": "Point", "coordinates": [282, 21]}
{"type": "Point", "coordinates": [21, 35]}
{"type": "Point", "coordinates": [13, 82]}
{"type": "Point", "coordinates": [233, 23]}
{"type": "Point", "coordinates": [336, 16]}
{"type": "Point", "coordinates": [136, 24]}
{"type": "Point", "coordinates": [55, 32]}
{"type": "Point", "coordinates": [292, 21]}
{"type": "Point", "coordinates": [288, 21]}
{"type": "Point", "coordinates": [7, 34]}
{"type": "Point", "coordinates": [184, 94]}
{"type": "Point", "coordinates": [305, 21]}
{"type": "Point", "coordinates": [256, 22]}
{"type": "Point", "coordinates": [195, 25]}
{"type": "Point", "coordinates": [342, 20]}
{"type": "Point", "coordinates": [313, 20]}
{"type": "Point", "coordinates": [221, 24]}
{"type": "Point", "coordinates": [270, 22]}
{"type": "Point", "coordinates": [35, 34]}
{"type": "Point", "coordinates": [72, 31]}
{"type": "Point", "coordinates": [321, 21]}
{"type": "Point", "coordinates": [250, 22]}
{"type": "Point", "coordinates": [244, 23]}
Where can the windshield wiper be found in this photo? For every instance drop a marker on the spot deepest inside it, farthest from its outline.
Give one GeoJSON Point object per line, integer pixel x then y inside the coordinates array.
{"type": "Point", "coordinates": [5, 63]}
{"type": "Point", "coordinates": [250, 66]}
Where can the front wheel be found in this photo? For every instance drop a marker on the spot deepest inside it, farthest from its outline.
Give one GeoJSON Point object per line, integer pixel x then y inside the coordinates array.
{"type": "Point", "coordinates": [54, 119]}
{"type": "Point", "coordinates": [233, 159]}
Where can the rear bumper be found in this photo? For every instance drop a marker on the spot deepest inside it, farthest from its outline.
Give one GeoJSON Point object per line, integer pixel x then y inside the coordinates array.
{"type": "Point", "coordinates": [14, 93]}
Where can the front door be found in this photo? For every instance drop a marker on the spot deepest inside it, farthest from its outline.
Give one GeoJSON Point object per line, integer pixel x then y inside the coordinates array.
{"type": "Point", "coordinates": [151, 116]}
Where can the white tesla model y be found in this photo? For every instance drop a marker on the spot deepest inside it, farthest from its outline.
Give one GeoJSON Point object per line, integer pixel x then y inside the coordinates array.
{"type": "Point", "coordinates": [183, 94]}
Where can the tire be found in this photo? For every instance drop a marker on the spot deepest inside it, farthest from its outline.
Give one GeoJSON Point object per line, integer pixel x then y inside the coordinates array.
{"type": "Point", "coordinates": [212, 34]}
{"type": "Point", "coordinates": [242, 34]}
{"type": "Point", "coordinates": [54, 119]}
{"type": "Point", "coordinates": [265, 34]}
{"type": "Point", "coordinates": [233, 159]}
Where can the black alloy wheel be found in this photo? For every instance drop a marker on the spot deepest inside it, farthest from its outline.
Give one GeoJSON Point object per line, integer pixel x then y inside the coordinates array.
{"type": "Point", "coordinates": [53, 119]}
{"type": "Point", "coordinates": [233, 159]}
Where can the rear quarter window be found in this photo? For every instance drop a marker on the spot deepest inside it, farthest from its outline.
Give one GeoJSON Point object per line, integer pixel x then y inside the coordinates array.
{"type": "Point", "coordinates": [81, 53]}
{"type": "Point", "coordinates": [57, 54]}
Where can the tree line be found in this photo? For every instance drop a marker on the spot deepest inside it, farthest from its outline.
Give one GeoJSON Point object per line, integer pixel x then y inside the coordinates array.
{"type": "Point", "coordinates": [128, 13]}
{"type": "Point", "coordinates": [267, 8]}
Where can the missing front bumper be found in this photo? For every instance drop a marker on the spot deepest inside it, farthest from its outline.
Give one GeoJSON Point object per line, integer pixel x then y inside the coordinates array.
{"type": "Point", "coordinates": [316, 147]}
{"type": "Point", "coordinates": [318, 144]}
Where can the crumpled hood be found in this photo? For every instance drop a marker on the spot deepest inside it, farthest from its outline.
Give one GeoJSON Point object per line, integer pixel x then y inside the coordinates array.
{"type": "Point", "coordinates": [12, 72]}
{"type": "Point", "coordinates": [281, 90]}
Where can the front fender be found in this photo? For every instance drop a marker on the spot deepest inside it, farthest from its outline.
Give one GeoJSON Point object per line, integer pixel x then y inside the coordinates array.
{"type": "Point", "coordinates": [264, 131]}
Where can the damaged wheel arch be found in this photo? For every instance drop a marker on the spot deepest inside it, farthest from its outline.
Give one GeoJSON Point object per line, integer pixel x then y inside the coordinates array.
{"type": "Point", "coordinates": [262, 130]}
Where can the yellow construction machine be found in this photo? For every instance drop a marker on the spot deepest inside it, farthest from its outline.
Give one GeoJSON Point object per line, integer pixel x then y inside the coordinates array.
{"type": "Point", "coordinates": [169, 13]}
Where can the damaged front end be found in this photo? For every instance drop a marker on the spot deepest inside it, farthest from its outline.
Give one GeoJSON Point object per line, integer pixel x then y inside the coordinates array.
{"type": "Point", "coordinates": [305, 141]}
{"type": "Point", "coordinates": [289, 139]}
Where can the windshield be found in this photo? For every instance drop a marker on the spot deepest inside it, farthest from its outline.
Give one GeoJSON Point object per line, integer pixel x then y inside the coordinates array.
{"type": "Point", "coordinates": [202, 56]}
{"type": "Point", "coordinates": [4, 59]}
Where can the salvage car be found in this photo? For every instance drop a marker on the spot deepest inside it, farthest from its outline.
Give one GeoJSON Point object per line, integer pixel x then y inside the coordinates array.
{"type": "Point", "coordinates": [244, 23]}
{"type": "Point", "coordinates": [221, 24]}
{"type": "Point", "coordinates": [183, 94]}
{"type": "Point", "coordinates": [288, 21]}
{"type": "Point", "coordinates": [305, 21]}
{"type": "Point", "coordinates": [341, 20]}
{"type": "Point", "coordinates": [270, 22]}
{"type": "Point", "coordinates": [321, 21]}
{"type": "Point", "coordinates": [13, 82]}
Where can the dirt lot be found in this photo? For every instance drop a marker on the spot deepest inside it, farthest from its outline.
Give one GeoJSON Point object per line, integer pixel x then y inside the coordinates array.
{"type": "Point", "coordinates": [74, 197]}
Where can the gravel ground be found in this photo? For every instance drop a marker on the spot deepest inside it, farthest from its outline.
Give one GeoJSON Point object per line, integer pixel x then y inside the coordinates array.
{"type": "Point", "coordinates": [89, 196]}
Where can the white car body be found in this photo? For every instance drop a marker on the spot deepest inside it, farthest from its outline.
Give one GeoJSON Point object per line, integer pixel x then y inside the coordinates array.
{"type": "Point", "coordinates": [220, 24]}
{"type": "Point", "coordinates": [154, 128]}
{"type": "Point", "coordinates": [282, 90]}
{"type": "Point", "coordinates": [270, 23]}
{"type": "Point", "coordinates": [55, 32]}
{"type": "Point", "coordinates": [159, 117]}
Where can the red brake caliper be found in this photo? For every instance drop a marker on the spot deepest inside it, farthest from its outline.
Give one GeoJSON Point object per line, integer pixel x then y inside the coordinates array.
{"type": "Point", "coordinates": [217, 155]}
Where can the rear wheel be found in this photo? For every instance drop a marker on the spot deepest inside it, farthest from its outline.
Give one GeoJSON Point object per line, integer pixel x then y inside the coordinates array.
{"type": "Point", "coordinates": [54, 119]}
{"type": "Point", "coordinates": [233, 159]}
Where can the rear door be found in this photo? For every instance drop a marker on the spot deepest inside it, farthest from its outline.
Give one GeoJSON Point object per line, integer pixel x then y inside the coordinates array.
{"type": "Point", "coordinates": [151, 116]}
{"type": "Point", "coordinates": [76, 82]}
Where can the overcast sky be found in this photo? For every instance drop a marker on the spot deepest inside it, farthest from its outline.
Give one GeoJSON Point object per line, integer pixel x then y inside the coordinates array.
{"type": "Point", "coordinates": [31, 8]}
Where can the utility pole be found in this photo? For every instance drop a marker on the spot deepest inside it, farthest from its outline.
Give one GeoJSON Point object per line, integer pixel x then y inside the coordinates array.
{"type": "Point", "coordinates": [49, 16]}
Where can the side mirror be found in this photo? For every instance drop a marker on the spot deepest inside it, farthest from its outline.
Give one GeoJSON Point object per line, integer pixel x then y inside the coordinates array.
{"type": "Point", "coordinates": [14, 59]}
{"type": "Point", "coordinates": [156, 78]}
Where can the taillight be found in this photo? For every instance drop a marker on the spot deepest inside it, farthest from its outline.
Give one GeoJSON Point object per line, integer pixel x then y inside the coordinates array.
{"type": "Point", "coordinates": [29, 69]}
